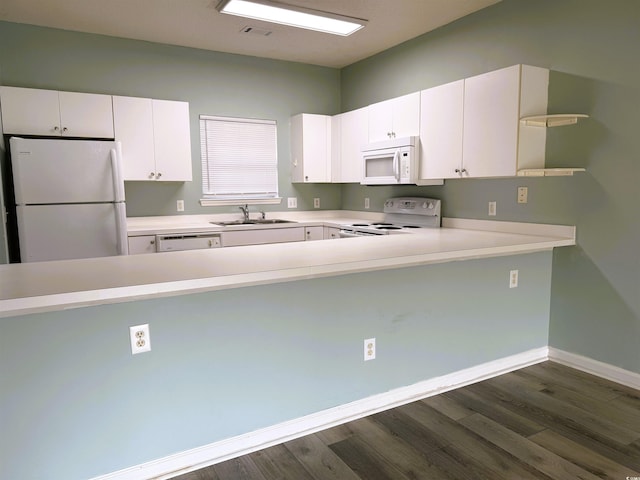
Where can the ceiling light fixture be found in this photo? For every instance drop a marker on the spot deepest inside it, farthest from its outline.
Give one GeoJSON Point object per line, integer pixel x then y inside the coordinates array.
{"type": "Point", "coordinates": [293, 16]}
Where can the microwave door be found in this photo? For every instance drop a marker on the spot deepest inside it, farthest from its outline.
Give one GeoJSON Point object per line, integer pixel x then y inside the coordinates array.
{"type": "Point", "coordinates": [380, 168]}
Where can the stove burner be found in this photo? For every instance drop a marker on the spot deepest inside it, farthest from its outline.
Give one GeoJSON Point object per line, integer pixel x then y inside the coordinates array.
{"type": "Point", "coordinates": [411, 226]}
{"type": "Point", "coordinates": [382, 224]}
{"type": "Point", "coordinates": [360, 225]}
{"type": "Point", "coordinates": [388, 227]}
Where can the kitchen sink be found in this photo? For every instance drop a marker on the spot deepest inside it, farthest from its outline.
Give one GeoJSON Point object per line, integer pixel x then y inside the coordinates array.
{"type": "Point", "coordinates": [258, 221]}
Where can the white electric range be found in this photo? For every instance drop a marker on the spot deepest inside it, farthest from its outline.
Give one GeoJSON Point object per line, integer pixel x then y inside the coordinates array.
{"type": "Point", "coordinates": [401, 215]}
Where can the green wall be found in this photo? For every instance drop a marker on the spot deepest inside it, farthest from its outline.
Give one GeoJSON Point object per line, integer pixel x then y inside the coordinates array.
{"type": "Point", "coordinates": [74, 402]}
{"type": "Point", "coordinates": [591, 48]}
{"type": "Point", "coordinates": [213, 83]}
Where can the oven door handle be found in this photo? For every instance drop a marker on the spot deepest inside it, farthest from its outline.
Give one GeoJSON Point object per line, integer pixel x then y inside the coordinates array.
{"type": "Point", "coordinates": [348, 234]}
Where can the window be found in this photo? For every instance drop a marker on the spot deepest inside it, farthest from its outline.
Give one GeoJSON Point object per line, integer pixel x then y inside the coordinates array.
{"type": "Point", "coordinates": [239, 160]}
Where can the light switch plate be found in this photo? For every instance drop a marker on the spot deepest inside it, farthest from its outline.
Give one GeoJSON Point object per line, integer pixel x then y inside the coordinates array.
{"type": "Point", "coordinates": [292, 202]}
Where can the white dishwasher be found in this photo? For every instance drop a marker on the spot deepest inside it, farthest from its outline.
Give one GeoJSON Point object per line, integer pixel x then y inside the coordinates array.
{"type": "Point", "coordinates": [187, 241]}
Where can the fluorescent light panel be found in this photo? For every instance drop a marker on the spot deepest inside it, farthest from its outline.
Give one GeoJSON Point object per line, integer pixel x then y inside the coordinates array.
{"type": "Point", "coordinates": [292, 16]}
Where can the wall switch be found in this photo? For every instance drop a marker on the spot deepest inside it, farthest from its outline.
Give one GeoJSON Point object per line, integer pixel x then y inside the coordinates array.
{"type": "Point", "coordinates": [180, 205]}
{"type": "Point", "coordinates": [513, 278]}
{"type": "Point", "coordinates": [140, 339]}
{"type": "Point", "coordinates": [366, 203]}
{"type": "Point", "coordinates": [492, 209]}
{"type": "Point", "coordinates": [369, 349]}
{"type": "Point", "coordinates": [292, 202]}
{"type": "Point", "coordinates": [523, 193]}
{"type": "Point", "coordinates": [316, 203]}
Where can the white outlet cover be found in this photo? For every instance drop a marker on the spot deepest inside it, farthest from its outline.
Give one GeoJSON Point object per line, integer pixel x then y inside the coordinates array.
{"type": "Point", "coordinates": [492, 209]}
{"type": "Point", "coordinates": [367, 204]}
{"type": "Point", "coordinates": [140, 339]}
{"type": "Point", "coordinates": [513, 279]}
{"type": "Point", "coordinates": [316, 203]}
{"type": "Point", "coordinates": [369, 349]}
{"type": "Point", "coordinates": [180, 205]}
{"type": "Point", "coordinates": [292, 202]}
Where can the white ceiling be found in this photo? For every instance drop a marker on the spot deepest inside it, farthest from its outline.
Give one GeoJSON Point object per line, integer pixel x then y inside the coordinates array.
{"type": "Point", "coordinates": [197, 24]}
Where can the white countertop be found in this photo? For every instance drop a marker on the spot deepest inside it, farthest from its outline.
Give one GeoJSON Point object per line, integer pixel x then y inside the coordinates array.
{"type": "Point", "coordinates": [48, 286]}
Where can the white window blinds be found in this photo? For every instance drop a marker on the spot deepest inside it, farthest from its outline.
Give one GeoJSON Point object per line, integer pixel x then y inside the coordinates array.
{"type": "Point", "coordinates": [239, 158]}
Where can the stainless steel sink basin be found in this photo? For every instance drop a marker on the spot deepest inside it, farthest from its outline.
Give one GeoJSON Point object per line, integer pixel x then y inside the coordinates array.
{"type": "Point", "coordinates": [259, 221]}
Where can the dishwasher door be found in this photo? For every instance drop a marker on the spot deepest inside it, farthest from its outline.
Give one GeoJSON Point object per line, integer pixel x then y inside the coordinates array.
{"type": "Point", "coordinates": [187, 241]}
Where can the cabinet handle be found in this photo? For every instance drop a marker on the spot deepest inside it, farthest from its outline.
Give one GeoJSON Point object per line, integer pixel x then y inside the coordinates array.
{"type": "Point", "coordinates": [158, 175]}
{"type": "Point", "coordinates": [457, 170]}
{"type": "Point", "coordinates": [151, 175]}
{"type": "Point", "coordinates": [65, 129]}
{"type": "Point", "coordinates": [464, 170]}
{"type": "Point", "coordinates": [56, 128]}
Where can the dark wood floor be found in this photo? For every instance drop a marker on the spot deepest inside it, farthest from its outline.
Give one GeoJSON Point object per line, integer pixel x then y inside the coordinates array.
{"type": "Point", "coordinates": [542, 422]}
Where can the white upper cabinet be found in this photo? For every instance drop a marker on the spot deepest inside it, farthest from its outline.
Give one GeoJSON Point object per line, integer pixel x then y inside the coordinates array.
{"type": "Point", "coordinates": [156, 138]}
{"type": "Point", "coordinates": [30, 111]}
{"type": "Point", "coordinates": [494, 143]}
{"type": "Point", "coordinates": [351, 136]}
{"type": "Point", "coordinates": [441, 116]}
{"type": "Point", "coordinates": [310, 148]}
{"type": "Point", "coordinates": [395, 118]}
{"type": "Point", "coordinates": [471, 128]}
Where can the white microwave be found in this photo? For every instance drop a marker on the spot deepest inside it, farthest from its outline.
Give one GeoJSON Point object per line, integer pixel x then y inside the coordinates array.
{"type": "Point", "coordinates": [391, 162]}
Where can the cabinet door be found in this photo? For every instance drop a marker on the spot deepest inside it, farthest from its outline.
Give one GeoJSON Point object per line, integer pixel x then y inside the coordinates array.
{"type": "Point", "coordinates": [441, 114]}
{"type": "Point", "coordinates": [314, 233]}
{"type": "Point", "coordinates": [491, 117]}
{"type": "Point", "coordinates": [85, 115]}
{"type": "Point", "coordinates": [311, 148]}
{"type": "Point", "coordinates": [380, 117]}
{"type": "Point", "coordinates": [30, 111]}
{"type": "Point", "coordinates": [133, 124]}
{"type": "Point", "coordinates": [262, 236]}
{"type": "Point", "coordinates": [172, 140]}
{"type": "Point", "coordinates": [331, 233]}
{"type": "Point", "coordinates": [406, 115]}
{"type": "Point", "coordinates": [353, 136]}
{"type": "Point", "coordinates": [143, 244]}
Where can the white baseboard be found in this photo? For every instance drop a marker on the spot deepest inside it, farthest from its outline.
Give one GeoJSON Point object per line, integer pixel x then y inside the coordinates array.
{"type": "Point", "coordinates": [180, 463]}
{"type": "Point", "coordinates": [595, 367]}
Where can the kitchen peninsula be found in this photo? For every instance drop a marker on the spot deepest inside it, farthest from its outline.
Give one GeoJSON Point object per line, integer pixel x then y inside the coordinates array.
{"type": "Point", "coordinates": [257, 344]}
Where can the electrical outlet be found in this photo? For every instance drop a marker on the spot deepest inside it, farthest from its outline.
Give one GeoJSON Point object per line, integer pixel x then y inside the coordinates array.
{"type": "Point", "coordinates": [292, 202]}
{"type": "Point", "coordinates": [513, 278]}
{"type": "Point", "coordinates": [523, 193]}
{"type": "Point", "coordinates": [492, 209]}
{"type": "Point", "coordinates": [316, 203]}
{"type": "Point", "coordinates": [140, 339]}
{"type": "Point", "coordinates": [366, 203]}
{"type": "Point", "coordinates": [180, 205]}
{"type": "Point", "coordinates": [369, 349]}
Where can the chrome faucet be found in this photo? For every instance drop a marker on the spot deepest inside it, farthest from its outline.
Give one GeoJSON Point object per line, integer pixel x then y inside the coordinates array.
{"type": "Point", "coordinates": [245, 212]}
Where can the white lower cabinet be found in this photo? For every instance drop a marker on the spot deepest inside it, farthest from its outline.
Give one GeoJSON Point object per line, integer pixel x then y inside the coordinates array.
{"type": "Point", "coordinates": [261, 236]}
{"type": "Point", "coordinates": [331, 233]}
{"type": "Point", "coordinates": [314, 233]}
{"type": "Point", "coordinates": [156, 138]}
{"type": "Point", "coordinates": [142, 244]}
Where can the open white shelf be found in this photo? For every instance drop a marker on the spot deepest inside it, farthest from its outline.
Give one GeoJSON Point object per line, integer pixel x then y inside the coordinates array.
{"type": "Point", "coordinates": [555, 120]}
{"type": "Point", "coordinates": [548, 172]}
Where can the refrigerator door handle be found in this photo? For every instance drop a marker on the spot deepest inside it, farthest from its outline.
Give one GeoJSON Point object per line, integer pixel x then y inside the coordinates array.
{"type": "Point", "coordinates": [118, 182]}
{"type": "Point", "coordinates": [121, 229]}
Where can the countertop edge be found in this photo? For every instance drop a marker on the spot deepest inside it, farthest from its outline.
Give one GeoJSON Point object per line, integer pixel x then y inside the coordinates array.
{"type": "Point", "coordinates": [70, 300]}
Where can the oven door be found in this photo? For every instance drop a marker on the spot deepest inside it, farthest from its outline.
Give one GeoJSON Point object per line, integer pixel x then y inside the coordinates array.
{"type": "Point", "coordinates": [381, 167]}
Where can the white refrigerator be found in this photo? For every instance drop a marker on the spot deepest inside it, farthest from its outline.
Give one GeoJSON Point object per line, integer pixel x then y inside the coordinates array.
{"type": "Point", "coordinates": [69, 198]}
